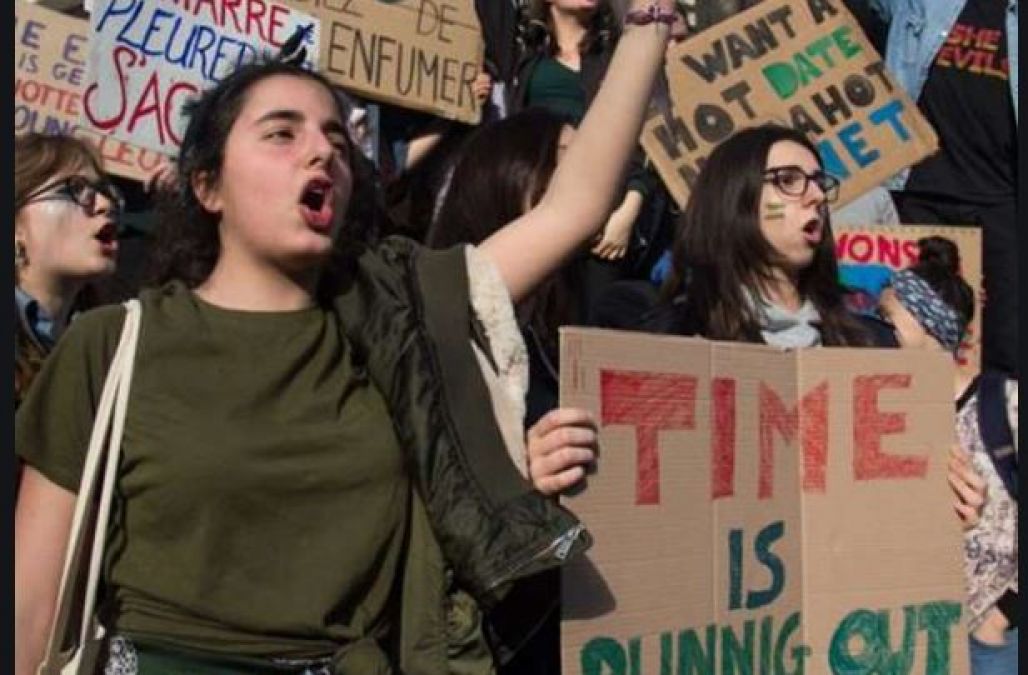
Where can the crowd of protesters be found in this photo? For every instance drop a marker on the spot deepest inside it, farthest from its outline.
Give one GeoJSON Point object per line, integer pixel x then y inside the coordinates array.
{"type": "Point", "coordinates": [343, 446]}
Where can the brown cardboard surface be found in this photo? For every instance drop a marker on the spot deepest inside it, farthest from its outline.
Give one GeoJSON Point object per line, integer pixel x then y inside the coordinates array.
{"type": "Point", "coordinates": [815, 51]}
{"type": "Point", "coordinates": [895, 247]}
{"type": "Point", "coordinates": [420, 54]}
{"type": "Point", "coordinates": [781, 551]}
{"type": "Point", "coordinates": [50, 54]}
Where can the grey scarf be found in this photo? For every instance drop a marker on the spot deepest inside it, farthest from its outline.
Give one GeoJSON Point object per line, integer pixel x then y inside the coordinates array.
{"type": "Point", "coordinates": [786, 329]}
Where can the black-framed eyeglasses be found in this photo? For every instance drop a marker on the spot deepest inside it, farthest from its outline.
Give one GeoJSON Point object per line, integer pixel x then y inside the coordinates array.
{"type": "Point", "coordinates": [794, 181]}
{"type": "Point", "coordinates": [81, 190]}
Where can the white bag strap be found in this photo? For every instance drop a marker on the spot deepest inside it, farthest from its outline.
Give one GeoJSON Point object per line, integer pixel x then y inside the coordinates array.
{"type": "Point", "coordinates": [110, 416]}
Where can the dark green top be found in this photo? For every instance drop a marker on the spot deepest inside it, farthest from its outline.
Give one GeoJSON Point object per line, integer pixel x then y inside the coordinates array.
{"type": "Point", "coordinates": [558, 88]}
{"type": "Point", "coordinates": [262, 501]}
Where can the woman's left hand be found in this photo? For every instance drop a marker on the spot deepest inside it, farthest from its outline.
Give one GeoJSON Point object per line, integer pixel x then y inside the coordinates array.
{"type": "Point", "coordinates": [560, 447]}
{"type": "Point", "coordinates": [481, 86]}
{"type": "Point", "coordinates": [967, 485]}
{"type": "Point", "coordinates": [612, 243]}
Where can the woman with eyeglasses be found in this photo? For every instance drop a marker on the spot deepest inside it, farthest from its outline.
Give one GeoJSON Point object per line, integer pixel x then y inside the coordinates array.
{"type": "Point", "coordinates": [754, 259]}
{"type": "Point", "coordinates": [65, 235]}
{"type": "Point", "coordinates": [316, 473]}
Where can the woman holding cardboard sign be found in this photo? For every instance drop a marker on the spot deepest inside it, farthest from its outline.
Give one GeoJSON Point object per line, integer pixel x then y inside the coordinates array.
{"type": "Point", "coordinates": [314, 474]}
{"type": "Point", "coordinates": [754, 258]}
{"type": "Point", "coordinates": [930, 306]}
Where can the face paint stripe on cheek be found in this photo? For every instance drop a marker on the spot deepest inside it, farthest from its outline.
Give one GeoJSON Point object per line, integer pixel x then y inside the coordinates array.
{"type": "Point", "coordinates": [775, 211]}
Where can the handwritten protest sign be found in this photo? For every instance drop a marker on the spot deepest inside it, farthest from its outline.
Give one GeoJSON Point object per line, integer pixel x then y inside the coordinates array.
{"type": "Point", "coordinates": [50, 55]}
{"type": "Point", "coordinates": [760, 511]}
{"type": "Point", "coordinates": [803, 63]}
{"type": "Point", "coordinates": [149, 56]}
{"type": "Point", "coordinates": [420, 54]}
{"type": "Point", "coordinates": [868, 255]}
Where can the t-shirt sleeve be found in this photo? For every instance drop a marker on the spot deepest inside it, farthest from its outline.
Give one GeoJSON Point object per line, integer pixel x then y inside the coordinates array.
{"type": "Point", "coordinates": [54, 422]}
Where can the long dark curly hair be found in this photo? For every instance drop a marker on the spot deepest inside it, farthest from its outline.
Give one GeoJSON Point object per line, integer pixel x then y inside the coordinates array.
{"type": "Point", "coordinates": [187, 244]}
{"type": "Point", "coordinates": [720, 254]}
{"type": "Point", "coordinates": [536, 29]}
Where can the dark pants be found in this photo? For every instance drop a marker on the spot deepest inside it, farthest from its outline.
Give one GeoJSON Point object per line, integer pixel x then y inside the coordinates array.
{"type": "Point", "coordinates": [998, 223]}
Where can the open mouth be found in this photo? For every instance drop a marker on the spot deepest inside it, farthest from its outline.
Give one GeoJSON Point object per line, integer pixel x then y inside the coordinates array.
{"type": "Point", "coordinates": [813, 230]}
{"type": "Point", "coordinates": [316, 204]}
{"type": "Point", "coordinates": [108, 234]}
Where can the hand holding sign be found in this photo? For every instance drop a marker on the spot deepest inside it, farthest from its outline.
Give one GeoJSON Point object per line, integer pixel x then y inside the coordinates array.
{"type": "Point", "coordinates": [761, 511]}
{"type": "Point", "coordinates": [968, 486]}
{"type": "Point", "coordinates": [560, 447]}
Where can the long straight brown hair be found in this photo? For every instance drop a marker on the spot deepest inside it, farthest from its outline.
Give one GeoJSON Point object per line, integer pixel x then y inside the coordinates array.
{"type": "Point", "coordinates": [720, 254]}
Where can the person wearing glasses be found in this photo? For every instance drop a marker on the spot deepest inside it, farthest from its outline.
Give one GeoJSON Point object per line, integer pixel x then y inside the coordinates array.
{"type": "Point", "coordinates": [754, 258]}
{"type": "Point", "coordinates": [317, 472]}
{"type": "Point", "coordinates": [65, 235]}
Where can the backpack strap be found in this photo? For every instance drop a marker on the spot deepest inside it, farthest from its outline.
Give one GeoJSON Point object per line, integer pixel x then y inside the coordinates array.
{"type": "Point", "coordinates": [994, 426]}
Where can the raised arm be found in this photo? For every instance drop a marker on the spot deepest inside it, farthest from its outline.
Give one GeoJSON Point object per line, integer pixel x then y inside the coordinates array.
{"type": "Point", "coordinates": [585, 184]}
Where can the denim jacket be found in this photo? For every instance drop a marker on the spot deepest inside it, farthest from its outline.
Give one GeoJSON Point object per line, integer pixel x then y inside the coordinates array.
{"type": "Point", "coordinates": [917, 31]}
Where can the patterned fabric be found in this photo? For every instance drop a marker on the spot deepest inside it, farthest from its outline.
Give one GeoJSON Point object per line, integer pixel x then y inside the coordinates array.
{"type": "Point", "coordinates": [990, 548]}
{"type": "Point", "coordinates": [123, 658]}
{"type": "Point", "coordinates": [921, 300]}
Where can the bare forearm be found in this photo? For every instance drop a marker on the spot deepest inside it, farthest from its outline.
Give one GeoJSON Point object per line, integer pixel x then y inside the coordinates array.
{"type": "Point", "coordinates": [595, 163]}
{"type": "Point", "coordinates": [583, 189]}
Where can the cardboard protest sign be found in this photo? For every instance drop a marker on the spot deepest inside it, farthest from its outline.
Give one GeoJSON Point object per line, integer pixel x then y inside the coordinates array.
{"type": "Point", "coordinates": [868, 256]}
{"type": "Point", "coordinates": [420, 54]}
{"type": "Point", "coordinates": [802, 63]}
{"type": "Point", "coordinates": [148, 57]}
{"type": "Point", "coordinates": [50, 54]}
{"type": "Point", "coordinates": [761, 511]}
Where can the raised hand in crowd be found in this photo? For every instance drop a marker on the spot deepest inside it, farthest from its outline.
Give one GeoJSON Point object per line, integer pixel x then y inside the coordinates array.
{"type": "Point", "coordinates": [482, 86]}
{"type": "Point", "coordinates": [612, 244]}
{"type": "Point", "coordinates": [268, 403]}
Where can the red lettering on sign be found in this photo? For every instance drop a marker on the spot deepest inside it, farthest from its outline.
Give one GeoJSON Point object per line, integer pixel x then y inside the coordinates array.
{"type": "Point", "coordinates": [650, 402]}
{"type": "Point", "coordinates": [123, 57]}
{"type": "Point", "coordinates": [775, 417]}
{"type": "Point", "coordinates": [861, 248]}
{"type": "Point", "coordinates": [722, 438]}
{"type": "Point", "coordinates": [255, 10]}
{"type": "Point", "coordinates": [170, 107]}
{"type": "Point", "coordinates": [218, 18]}
{"type": "Point", "coordinates": [279, 14]}
{"type": "Point", "coordinates": [909, 252]}
{"type": "Point", "coordinates": [889, 251]}
{"type": "Point", "coordinates": [815, 439]}
{"type": "Point", "coordinates": [870, 424]}
{"type": "Point", "coordinates": [149, 104]}
{"type": "Point", "coordinates": [228, 8]}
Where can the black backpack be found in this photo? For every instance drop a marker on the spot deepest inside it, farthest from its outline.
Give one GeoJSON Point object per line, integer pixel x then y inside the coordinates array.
{"type": "Point", "coordinates": [994, 427]}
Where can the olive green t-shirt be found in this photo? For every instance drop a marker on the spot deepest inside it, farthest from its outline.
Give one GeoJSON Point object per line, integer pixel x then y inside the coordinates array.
{"type": "Point", "coordinates": [262, 500]}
